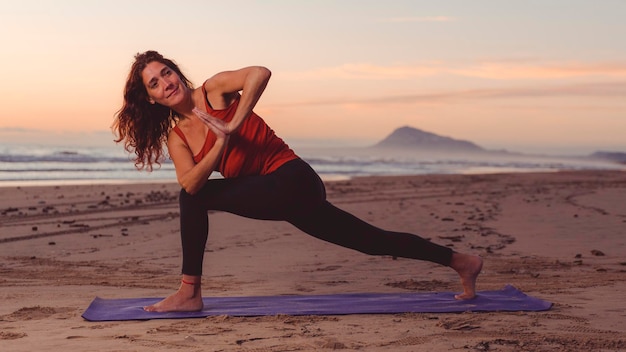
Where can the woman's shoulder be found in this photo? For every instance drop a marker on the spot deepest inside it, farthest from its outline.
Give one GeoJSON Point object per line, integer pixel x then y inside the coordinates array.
{"type": "Point", "coordinates": [215, 98]}
{"type": "Point", "coordinates": [175, 133]}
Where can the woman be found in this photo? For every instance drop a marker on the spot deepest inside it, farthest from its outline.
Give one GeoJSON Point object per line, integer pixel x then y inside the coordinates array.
{"type": "Point", "coordinates": [213, 128]}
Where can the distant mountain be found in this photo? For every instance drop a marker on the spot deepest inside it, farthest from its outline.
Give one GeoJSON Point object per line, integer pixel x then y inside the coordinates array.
{"type": "Point", "coordinates": [413, 138]}
{"type": "Point", "coordinates": [617, 157]}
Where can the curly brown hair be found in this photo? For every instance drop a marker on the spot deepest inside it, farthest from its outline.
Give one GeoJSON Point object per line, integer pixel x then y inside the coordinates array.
{"type": "Point", "coordinates": [142, 126]}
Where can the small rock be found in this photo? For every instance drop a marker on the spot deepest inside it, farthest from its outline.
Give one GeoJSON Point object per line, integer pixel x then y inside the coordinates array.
{"type": "Point", "coordinates": [597, 253]}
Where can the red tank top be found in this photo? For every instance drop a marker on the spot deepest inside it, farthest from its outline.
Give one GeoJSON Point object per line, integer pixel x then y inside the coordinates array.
{"type": "Point", "coordinates": [253, 150]}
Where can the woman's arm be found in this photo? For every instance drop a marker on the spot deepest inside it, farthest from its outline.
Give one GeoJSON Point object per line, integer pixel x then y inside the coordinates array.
{"type": "Point", "coordinates": [251, 81]}
{"type": "Point", "coordinates": [192, 176]}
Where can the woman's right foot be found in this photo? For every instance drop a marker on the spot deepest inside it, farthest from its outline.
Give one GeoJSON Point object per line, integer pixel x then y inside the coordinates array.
{"type": "Point", "coordinates": [188, 298]}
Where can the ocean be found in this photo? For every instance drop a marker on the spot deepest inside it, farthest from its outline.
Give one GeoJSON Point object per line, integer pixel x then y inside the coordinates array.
{"type": "Point", "coordinates": [31, 164]}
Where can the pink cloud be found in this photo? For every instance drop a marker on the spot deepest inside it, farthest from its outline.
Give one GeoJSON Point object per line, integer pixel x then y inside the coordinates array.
{"type": "Point", "coordinates": [591, 89]}
{"type": "Point", "coordinates": [523, 70]}
{"type": "Point", "coordinates": [494, 70]}
{"type": "Point", "coordinates": [352, 71]}
{"type": "Point", "coordinates": [418, 19]}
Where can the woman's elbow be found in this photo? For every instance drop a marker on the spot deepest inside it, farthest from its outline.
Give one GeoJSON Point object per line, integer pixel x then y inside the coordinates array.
{"type": "Point", "coordinates": [264, 72]}
{"type": "Point", "coordinates": [190, 191]}
{"type": "Point", "coordinates": [190, 187]}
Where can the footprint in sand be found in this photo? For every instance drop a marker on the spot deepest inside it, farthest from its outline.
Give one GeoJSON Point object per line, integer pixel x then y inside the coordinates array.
{"type": "Point", "coordinates": [5, 335]}
{"type": "Point", "coordinates": [34, 313]}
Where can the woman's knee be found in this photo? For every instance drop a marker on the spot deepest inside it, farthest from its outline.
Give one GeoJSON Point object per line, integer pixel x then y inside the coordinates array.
{"type": "Point", "coordinates": [314, 188]}
{"type": "Point", "coordinates": [186, 199]}
{"type": "Point", "coordinates": [184, 196]}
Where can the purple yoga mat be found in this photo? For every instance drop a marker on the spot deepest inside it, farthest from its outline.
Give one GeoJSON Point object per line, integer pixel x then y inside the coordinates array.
{"type": "Point", "coordinates": [507, 299]}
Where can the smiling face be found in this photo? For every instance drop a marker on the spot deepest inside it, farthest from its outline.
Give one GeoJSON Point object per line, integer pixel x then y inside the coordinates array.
{"type": "Point", "coordinates": [164, 85]}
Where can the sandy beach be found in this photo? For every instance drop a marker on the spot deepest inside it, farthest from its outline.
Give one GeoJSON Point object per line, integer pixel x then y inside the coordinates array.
{"type": "Point", "coordinates": [557, 236]}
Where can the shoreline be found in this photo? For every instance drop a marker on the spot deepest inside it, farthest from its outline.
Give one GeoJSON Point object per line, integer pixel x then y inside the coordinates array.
{"type": "Point", "coordinates": [557, 236]}
{"type": "Point", "coordinates": [324, 177]}
{"type": "Point", "coordinates": [80, 182]}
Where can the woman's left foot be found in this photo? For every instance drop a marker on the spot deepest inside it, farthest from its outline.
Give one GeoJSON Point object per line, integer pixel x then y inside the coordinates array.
{"type": "Point", "coordinates": [468, 267]}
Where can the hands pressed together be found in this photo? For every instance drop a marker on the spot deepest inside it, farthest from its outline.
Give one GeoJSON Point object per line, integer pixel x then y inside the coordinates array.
{"type": "Point", "coordinates": [221, 128]}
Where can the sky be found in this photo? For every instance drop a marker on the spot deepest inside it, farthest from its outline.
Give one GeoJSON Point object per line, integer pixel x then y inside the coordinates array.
{"type": "Point", "coordinates": [531, 75]}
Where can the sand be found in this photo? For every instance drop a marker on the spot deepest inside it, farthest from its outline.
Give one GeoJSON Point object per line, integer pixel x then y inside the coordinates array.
{"type": "Point", "coordinates": [557, 236]}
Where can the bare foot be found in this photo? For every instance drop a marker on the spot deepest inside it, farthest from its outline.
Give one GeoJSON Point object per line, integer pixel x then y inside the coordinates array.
{"type": "Point", "coordinates": [468, 267]}
{"type": "Point", "coordinates": [188, 298]}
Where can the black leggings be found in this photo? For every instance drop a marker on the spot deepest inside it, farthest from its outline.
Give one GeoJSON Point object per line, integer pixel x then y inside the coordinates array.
{"type": "Point", "coordinates": [296, 194]}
